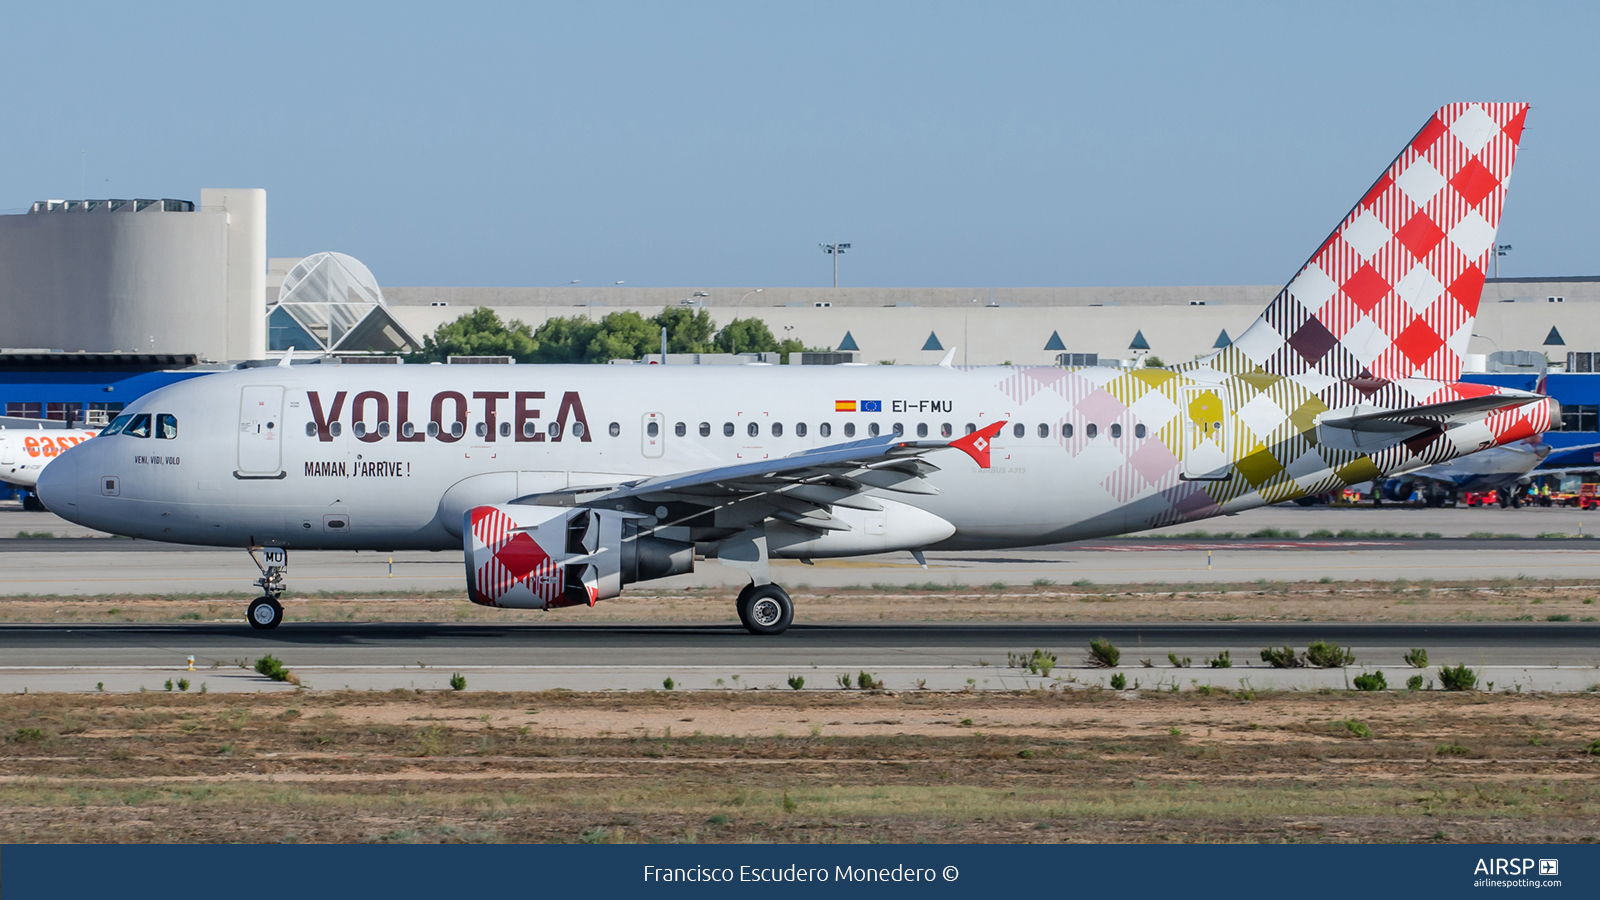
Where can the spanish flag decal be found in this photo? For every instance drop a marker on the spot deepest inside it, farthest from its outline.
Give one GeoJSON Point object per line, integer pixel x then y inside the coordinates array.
{"type": "Point", "coordinates": [844, 406]}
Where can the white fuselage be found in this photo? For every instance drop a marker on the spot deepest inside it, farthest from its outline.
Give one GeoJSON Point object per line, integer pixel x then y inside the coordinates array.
{"type": "Point", "coordinates": [239, 473]}
{"type": "Point", "coordinates": [24, 452]}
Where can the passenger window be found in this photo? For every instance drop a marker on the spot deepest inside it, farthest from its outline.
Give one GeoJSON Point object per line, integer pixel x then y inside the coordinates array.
{"type": "Point", "coordinates": [922, 429]}
{"type": "Point", "coordinates": [167, 426]}
{"type": "Point", "coordinates": [1090, 430]}
{"type": "Point", "coordinates": [433, 428]}
{"type": "Point", "coordinates": [1066, 430]}
{"type": "Point", "coordinates": [849, 429]}
{"type": "Point", "coordinates": [121, 422]}
{"type": "Point", "coordinates": [652, 429]}
{"type": "Point", "coordinates": [360, 429]}
{"type": "Point", "coordinates": [614, 428]}
{"type": "Point", "coordinates": [799, 429]}
{"type": "Point", "coordinates": [554, 430]}
{"type": "Point", "coordinates": [577, 429]}
{"type": "Point", "coordinates": [1116, 430]}
{"type": "Point", "coordinates": [1019, 430]}
{"type": "Point", "coordinates": [311, 429]}
{"type": "Point", "coordinates": [680, 429]}
{"type": "Point", "coordinates": [505, 429]}
{"type": "Point", "coordinates": [752, 429]}
{"type": "Point", "coordinates": [1044, 430]}
{"type": "Point", "coordinates": [481, 429]}
{"type": "Point", "coordinates": [337, 428]}
{"type": "Point", "coordinates": [946, 430]}
{"type": "Point", "coordinates": [727, 429]}
{"type": "Point", "coordinates": [899, 429]}
{"type": "Point", "coordinates": [1138, 430]}
{"type": "Point", "coordinates": [777, 429]}
{"type": "Point", "coordinates": [872, 429]}
{"type": "Point", "coordinates": [825, 429]}
{"type": "Point", "coordinates": [971, 428]}
{"type": "Point", "coordinates": [406, 431]}
{"type": "Point", "coordinates": [705, 429]}
{"type": "Point", "coordinates": [139, 427]}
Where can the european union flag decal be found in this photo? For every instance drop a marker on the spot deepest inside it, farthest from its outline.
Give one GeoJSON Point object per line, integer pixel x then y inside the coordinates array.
{"type": "Point", "coordinates": [872, 406]}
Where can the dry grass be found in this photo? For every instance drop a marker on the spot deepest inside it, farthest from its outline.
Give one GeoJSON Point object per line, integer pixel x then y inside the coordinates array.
{"type": "Point", "coordinates": [1377, 601]}
{"type": "Point", "coordinates": [1088, 765]}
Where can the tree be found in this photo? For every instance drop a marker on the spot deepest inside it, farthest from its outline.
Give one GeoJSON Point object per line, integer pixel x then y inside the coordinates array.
{"type": "Point", "coordinates": [688, 331]}
{"type": "Point", "coordinates": [477, 333]}
{"type": "Point", "coordinates": [746, 336]}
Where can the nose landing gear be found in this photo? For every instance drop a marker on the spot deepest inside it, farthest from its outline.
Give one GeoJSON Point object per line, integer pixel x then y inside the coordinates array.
{"type": "Point", "coordinates": [265, 612]}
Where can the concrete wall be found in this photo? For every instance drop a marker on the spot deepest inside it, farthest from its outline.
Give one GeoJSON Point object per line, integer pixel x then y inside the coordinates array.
{"type": "Point", "coordinates": [146, 281]}
{"type": "Point", "coordinates": [245, 308]}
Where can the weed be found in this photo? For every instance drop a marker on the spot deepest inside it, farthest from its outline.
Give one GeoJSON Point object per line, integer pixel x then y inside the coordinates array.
{"type": "Point", "coordinates": [273, 668]}
{"type": "Point", "coordinates": [668, 684]}
{"type": "Point", "coordinates": [867, 682]}
{"type": "Point", "coordinates": [168, 685]}
{"type": "Point", "coordinates": [1179, 663]}
{"type": "Point", "coordinates": [1103, 653]}
{"type": "Point", "coordinates": [796, 682]}
{"type": "Point", "coordinates": [1417, 658]}
{"type": "Point", "coordinates": [1043, 582]}
{"type": "Point", "coordinates": [788, 804]}
{"type": "Point", "coordinates": [458, 682]}
{"type": "Point", "coordinates": [1414, 683]}
{"type": "Point", "coordinates": [1325, 655]}
{"type": "Point", "coordinates": [1373, 681]}
{"type": "Point", "coordinates": [23, 735]}
{"type": "Point", "coordinates": [1451, 749]}
{"type": "Point", "coordinates": [1174, 731]}
{"type": "Point", "coordinates": [1359, 729]}
{"type": "Point", "coordinates": [1083, 583]}
{"type": "Point", "coordinates": [1326, 579]}
{"type": "Point", "coordinates": [1459, 678]}
{"type": "Point", "coordinates": [99, 685]}
{"type": "Point", "coordinates": [1119, 682]}
{"type": "Point", "coordinates": [1558, 617]}
{"type": "Point", "coordinates": [718, 819]}
{"type": "Point", "coordinates": [1025, 753]}
{"type": "Point", "coordinates": [1592, 748]}
{"type": "Point", "coordinates": [966, 723]}
{"type": "Point", "coordinates": [1223, 660]}
{"type": "Point", "coordinates": [844, 682]}
{"type": "Point", "coordinates": [1281, 657]}
{"type": "Point", "coordinates": [191, 615]}
{"type": "Point", "coordinates": [1039, 662]}
{"type": "Point", "coordinates": [183, 684]}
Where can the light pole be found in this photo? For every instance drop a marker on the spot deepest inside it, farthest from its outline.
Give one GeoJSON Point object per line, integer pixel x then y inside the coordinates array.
{"type": "Point", "coordinates": [1499, 251]}
{"type": "Point", "coordinates": [835, 251]}
{"type": "Point", "coordinates": [733, 336]}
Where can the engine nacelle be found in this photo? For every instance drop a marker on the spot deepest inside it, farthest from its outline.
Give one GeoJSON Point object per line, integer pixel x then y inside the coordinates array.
{"type": "Point", "coordinates": [541, 557]}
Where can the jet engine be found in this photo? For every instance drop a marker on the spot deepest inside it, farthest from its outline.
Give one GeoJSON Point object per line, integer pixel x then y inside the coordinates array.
{"type": "Point", "coordinates": [541, 557]}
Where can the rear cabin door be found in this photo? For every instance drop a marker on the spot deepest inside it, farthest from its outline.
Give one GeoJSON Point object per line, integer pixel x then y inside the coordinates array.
{"type": "Point", "coordinates": [1208, 450]}
{"type": "Point", "coordinates": [654, 435]}
{"type": "Point", "coordinates": [261, 432]}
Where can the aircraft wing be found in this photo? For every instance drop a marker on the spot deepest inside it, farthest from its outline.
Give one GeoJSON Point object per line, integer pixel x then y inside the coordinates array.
{"type": "Point", "coordinates": [798, 488]}
{"type": "Point", "coordinates": [1431, 415]}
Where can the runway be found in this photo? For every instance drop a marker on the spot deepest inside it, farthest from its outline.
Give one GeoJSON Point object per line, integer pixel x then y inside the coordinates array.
{"type": "Point", "coordinates": [1543, 656]}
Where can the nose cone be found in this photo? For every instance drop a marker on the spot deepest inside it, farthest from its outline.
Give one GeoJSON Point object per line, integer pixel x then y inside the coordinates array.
{"type": "Point", "coordinates": [58, 486]}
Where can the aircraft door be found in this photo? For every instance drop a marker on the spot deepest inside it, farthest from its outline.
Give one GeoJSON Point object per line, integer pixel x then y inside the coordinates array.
{"type": "Point", "coordinates": [261, 432]}
{"type": "Point", "coordinates": [8, 455]}
{"type": "Point", "coordinates": [1208, 448]}
{"type": "Point", "coordinates": [654, 435]}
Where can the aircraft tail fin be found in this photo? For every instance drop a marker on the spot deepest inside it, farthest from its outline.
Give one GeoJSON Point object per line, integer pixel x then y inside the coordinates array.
{"type": "Point", "coordinates": [1392, 292]}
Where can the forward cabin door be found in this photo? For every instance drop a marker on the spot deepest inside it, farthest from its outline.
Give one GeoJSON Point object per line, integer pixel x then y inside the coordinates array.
{"type": "Point", "coordinates": [654, 435]}
{"type": "Point", "coordinates": [261, 432]}
{"type": "Point", "coordinates": [1208, 449]}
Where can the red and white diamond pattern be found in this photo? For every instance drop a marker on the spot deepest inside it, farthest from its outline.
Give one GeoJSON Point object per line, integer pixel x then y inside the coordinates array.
{"type": "Point", "coordinates": [511, 567]}
{"type": "Point", "coordinates": [1392, 292]}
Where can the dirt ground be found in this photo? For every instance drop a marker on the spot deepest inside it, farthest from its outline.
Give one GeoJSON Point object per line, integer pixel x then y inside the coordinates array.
{"type": "Point", "coordinates": [1091, 765]}
{"type": "Point", "coordinates": [1372, 601]}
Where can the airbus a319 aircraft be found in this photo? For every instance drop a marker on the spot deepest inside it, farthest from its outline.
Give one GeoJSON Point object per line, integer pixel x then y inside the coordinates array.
{"type": "Point", "coordinates": [566, 483]}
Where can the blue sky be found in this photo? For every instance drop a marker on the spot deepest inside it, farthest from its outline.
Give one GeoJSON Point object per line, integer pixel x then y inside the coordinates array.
{"type": "Point", "coordinates": [703, 144]}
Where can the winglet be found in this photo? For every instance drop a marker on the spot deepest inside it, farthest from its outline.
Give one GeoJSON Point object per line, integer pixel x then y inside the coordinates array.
{"type": "Point", "coordinates": [288, 355]}
{"type": "Point", "coordinates": [977, 444]}
{"type": "Point", "coordinates": [949, 358]}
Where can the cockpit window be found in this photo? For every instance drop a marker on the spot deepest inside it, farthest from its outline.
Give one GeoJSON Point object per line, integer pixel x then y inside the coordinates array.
{"type": "Point", "coordinates": [167, 426]}
{"type": "Point", "coordinates": [139, 427]}
{"type": "Point", "coordinates": [117, 424]}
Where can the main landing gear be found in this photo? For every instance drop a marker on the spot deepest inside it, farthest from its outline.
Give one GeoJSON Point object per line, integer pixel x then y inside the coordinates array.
{"type": "Point", "coordinates": [765, 609]}
{"type": "Point", "coordinates": [265, 612]}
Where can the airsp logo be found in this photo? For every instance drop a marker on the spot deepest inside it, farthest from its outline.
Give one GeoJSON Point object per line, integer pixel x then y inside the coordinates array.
{"type": "Point", "coordinates": [1502, 866]}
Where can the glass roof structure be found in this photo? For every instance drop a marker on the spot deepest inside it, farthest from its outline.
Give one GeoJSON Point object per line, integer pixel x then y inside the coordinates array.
{"type": "Point", "coordinates": [330, 302]}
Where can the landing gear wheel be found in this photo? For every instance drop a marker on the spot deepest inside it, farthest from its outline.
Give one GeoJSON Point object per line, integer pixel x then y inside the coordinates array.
{"type": "Point", "coordinates": [32, 503]}
{"type": "Point", "coordinates": [264, 614]}
{"type": "Point", "coordinates": [742, 603]}
{"type": "Point", "coordinates": [766, 609]}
